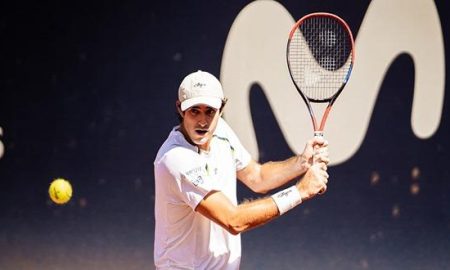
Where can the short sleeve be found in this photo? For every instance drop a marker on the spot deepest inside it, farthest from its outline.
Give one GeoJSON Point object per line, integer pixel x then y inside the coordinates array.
{"type": "Point", "coordinates": [190, 179]}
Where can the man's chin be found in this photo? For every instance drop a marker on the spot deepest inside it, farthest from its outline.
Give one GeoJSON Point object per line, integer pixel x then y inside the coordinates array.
{"type": "Point", "coordinates": [201, 141]}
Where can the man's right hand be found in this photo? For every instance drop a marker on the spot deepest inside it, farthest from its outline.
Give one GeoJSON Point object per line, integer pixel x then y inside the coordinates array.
{"type": "Point", "coordinates": [314, 181]}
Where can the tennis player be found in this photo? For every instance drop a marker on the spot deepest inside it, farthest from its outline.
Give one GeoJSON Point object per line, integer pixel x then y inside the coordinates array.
{"type": "Point", "coordinates": [197, 215]}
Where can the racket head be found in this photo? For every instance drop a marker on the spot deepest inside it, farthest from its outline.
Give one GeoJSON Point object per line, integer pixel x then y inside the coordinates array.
{"type": "Point", "coordinates": [320, 55]}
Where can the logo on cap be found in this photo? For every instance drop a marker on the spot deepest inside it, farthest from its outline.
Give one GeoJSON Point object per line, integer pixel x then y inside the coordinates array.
{"type": "Point", "coordinates": [199, 84]}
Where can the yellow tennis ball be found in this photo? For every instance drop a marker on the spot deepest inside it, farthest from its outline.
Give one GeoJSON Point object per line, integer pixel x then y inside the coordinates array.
{"type": "Point", "coordinates": [60, 191]}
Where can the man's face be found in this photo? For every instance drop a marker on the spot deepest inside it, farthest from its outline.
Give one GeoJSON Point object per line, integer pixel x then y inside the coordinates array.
{"type": "Point", "coordinates": [199, 124]}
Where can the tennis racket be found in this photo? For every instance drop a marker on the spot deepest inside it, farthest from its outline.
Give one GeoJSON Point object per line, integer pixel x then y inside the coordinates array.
{"type": "Point", "coordinates": [320, 55]}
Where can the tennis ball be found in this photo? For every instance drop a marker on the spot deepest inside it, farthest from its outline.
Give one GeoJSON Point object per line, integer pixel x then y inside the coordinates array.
{"type": "Point", "coordinates": [60, 191]}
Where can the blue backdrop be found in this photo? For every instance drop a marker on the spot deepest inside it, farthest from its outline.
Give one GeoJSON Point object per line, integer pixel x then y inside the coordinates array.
{"type": "Point", "coordinates": [87, 93]}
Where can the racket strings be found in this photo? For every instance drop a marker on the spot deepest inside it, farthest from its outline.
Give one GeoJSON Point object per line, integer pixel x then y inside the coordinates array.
{"type": "Point", "coordinates": [320, 57]}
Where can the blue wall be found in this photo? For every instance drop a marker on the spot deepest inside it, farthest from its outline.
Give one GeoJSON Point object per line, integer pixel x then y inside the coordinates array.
{"type": "Point", "coordinates": [87, 93]}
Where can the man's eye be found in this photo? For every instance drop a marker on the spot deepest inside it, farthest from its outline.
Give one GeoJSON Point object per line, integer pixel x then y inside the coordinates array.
{"type": "Point", "coordinates": [211, 112]}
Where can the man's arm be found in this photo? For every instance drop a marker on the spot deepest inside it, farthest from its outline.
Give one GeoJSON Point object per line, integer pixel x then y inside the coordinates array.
{"type": "Point", "coordinates": [248, 215]}
{"type": "Point", "coordinates": [271, 175]}
{"type": "Point", "coordinates": [236, 219]}
{"type": "Point", "coordinates": [262, 178]}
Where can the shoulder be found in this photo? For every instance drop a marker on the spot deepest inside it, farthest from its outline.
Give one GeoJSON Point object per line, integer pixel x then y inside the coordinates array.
{"type": "Point", "coordinates": [225, 133]}
{"type": "Point", "coordinates": [179, 154]}
{"type": "Point", "coordinates": [223, 129]}
{"type": "Point", "coordinates": [222, 124]}
{"type": "Point", "coordinates": [176, 145]}
{"type": "Point", "coordinates": [178, 158]}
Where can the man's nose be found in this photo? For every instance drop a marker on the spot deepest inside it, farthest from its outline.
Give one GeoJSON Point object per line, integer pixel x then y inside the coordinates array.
{"type": "Point", "coordinates": [202, 120]}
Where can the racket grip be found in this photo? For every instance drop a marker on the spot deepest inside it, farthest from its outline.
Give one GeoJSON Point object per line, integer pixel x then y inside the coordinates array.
{"type": "Point", "coordinates": [318, 134]}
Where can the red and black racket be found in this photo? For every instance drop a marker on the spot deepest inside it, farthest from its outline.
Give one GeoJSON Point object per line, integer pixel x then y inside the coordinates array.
{"type": "Point", "coordinates": [320, 56]}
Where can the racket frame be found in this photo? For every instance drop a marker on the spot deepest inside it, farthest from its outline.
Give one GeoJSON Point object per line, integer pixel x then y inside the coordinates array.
{"type": "Point", "coordinates": [318, 129]}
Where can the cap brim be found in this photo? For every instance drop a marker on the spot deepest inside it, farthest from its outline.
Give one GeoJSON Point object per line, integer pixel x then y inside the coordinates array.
{"type": "Point", "coordinates": [213, 102]}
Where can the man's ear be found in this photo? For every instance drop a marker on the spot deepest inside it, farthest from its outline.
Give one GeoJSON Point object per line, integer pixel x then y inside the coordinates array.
{"type": "Point", "coordinates": [180, 112]}
{"type": "Point", "coordinates": [224, 102]}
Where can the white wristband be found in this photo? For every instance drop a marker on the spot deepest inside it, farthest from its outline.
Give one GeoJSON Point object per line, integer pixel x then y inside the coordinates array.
{"type": "Point", "coordinates": [287, 199]}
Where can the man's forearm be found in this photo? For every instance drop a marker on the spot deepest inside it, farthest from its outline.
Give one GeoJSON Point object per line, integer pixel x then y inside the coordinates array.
{"type": "Point", "coordinates": [276, 174]}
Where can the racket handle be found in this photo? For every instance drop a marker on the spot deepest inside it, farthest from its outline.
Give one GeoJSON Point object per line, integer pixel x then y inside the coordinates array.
{"type": "Point", "coordinates": [318, 134]}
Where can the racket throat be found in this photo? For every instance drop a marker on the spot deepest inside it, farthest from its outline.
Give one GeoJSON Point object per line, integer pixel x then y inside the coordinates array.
{"type": "Point", "coordinates": [318, 132]}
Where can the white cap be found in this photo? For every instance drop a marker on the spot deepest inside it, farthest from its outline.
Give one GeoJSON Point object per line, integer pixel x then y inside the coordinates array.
{"type": "Point", "coordinates": [200, 88]}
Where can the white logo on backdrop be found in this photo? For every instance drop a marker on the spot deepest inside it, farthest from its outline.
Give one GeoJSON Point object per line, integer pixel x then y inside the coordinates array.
{"type": "Point", "coordinates": [255, 53]}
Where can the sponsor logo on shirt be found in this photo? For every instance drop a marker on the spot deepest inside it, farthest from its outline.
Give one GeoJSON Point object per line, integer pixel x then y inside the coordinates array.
{"type": "Point", "coordinates": [195, 175]}
{"type": "Point", "coordinates": [197, 181]}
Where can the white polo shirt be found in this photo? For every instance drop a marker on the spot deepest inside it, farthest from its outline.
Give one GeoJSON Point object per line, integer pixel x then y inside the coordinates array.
{"type": "Point", "coordinates": [184, 239]}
